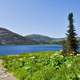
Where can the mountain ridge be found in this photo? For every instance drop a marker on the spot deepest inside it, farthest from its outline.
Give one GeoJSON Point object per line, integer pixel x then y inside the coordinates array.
{"type": "Point", "coordinates": [9, 37]}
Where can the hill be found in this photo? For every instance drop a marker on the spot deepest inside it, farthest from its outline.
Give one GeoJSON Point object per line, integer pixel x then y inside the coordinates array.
{"type": "Point", "coordinates": [42, 39]}
{"type": "Point", "coordinates": [39, 38]}
{"type": "Point", "coordinates": [9, 37]}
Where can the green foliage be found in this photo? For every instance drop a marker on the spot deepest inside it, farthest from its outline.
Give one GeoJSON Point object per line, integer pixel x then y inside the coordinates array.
{"type": "Point", "coordinates": [43, 66]}
{"type": "Point", "coordinates": [72, 43]}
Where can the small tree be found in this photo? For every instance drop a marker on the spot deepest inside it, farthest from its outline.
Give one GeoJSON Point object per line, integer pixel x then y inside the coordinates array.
{"type": "Point", "coordinates": [72, 44]}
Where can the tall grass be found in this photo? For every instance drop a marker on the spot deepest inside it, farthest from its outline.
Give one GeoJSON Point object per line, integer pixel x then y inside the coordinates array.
{"type": "Point", "coordinates": [43, 66]}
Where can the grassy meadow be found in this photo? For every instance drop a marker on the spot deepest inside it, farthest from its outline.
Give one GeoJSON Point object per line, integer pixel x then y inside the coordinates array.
{"type": "Point", "coordinates": [49, 65]}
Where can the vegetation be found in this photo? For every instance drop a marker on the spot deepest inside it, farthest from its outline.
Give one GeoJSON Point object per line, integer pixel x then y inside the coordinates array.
{"type": "Point", "coordinates": [43, 66]}
{"type": "Point", "coordinates": [71, 46]}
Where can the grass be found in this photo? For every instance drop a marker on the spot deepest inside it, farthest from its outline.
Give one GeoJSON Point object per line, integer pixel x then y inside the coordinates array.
{"type": "Point", "coordinates": [43, 66]}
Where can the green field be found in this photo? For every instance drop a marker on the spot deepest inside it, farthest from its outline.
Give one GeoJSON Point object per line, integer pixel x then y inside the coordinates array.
{"type": "Point", "coordinates": [43, 66]}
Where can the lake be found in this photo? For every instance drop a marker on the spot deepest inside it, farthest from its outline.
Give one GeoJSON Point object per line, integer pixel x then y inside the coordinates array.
{"type": "Point", "coordinates": [17, 49]}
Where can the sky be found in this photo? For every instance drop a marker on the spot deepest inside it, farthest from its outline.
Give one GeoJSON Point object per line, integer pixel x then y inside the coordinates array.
{"type": "Point", "coordinates": [46, 17]}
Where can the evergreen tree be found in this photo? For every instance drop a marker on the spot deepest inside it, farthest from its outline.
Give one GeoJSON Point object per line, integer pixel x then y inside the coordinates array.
{"type": "Point", "coordinates": [64, 52]}
{"type": "Point", "coordinates": [72, 44]}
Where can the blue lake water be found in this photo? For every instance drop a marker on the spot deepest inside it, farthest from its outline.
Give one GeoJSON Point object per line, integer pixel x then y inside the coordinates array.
{"type": "Point", "coordinates": [17, 49]}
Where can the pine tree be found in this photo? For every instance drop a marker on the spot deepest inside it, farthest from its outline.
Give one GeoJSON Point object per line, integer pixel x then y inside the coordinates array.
{"type": "Point", "coordinates": [72, 44]}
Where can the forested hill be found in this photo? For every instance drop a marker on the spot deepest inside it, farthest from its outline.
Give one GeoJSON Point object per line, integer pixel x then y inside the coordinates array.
{"type": "Point", "coordinates": [44, 39]}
